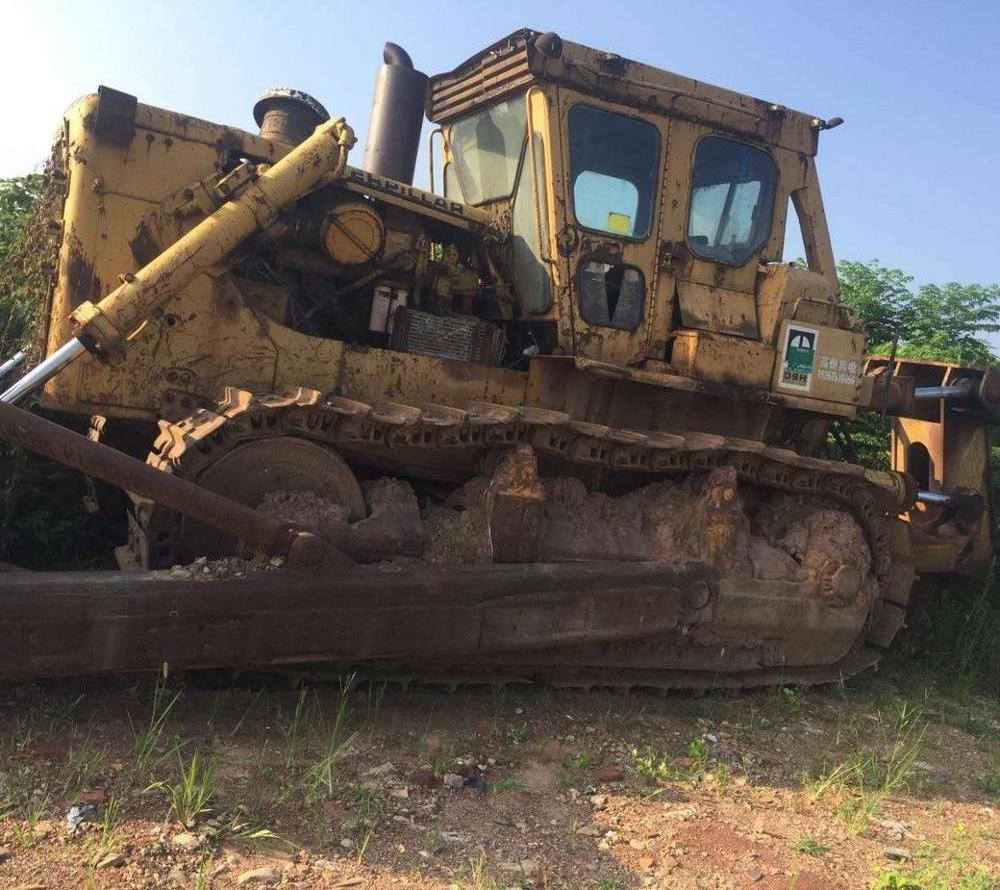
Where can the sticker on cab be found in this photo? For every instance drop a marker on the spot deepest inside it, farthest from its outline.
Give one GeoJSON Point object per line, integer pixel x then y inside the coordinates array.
{"type": "Point", "coordinates": [798, 357]}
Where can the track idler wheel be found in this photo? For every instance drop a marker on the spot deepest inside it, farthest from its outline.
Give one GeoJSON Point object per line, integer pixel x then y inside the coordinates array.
{"type": "Point", "coordinates": [251, 471]}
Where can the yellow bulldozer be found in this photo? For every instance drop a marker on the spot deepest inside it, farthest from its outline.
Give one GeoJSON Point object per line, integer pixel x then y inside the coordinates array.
{"type": "Point", "coordinates": [580, 363]}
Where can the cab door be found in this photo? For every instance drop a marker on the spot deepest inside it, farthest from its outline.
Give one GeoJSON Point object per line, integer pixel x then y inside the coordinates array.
{"type": "Point", "coordinates": [613, 163]}
{"type": "Point", "coordinates": [723, 193]}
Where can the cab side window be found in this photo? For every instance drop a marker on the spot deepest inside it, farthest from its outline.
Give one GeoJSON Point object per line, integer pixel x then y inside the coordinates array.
{"type": "Point", "coordinates": [732, 200]}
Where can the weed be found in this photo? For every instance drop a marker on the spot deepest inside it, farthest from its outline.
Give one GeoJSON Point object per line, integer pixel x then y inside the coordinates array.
{"type": "Point", "coordinates": [147, 738]}
{"type": "Point", "coordinates": [246, 712]}
{"type": "Point", "coordinates": [238, 827]}
{"type": "Point", "coordinates": [293, 730]}
{"type": "Point", "coordinates": [989, 781]}
{"type": "Point", "coordinates": [882, 766]}
{"type": "Point", "coordinates": [189, 797]}
{"type": "Point", "coordinates": [961, 631]}
{"type": "Point", "coordinates": [890, 879]}
{"type": "Point", "coordinates": [857, 811]}
{"type": "Point", "coordinates": [439, 762]}
{"type": "Point", "coordinates": [24, 831]}
{"type": "Point", "coordinates": [22, 733]}
{"type": "Point", "coordinates": [809, 846]}
{"type": "Point", "coordinates": [791, 698]}
{"type": "Point", "coordinates": [651, 764]}
{"type": "Point", "coordinates": [480, 880]}
{"type": "Point", "coordinates": [697, 750]}
{"type": "Point", "coordinates": [322, 773]}
{"type": "Point", "coordinates": [84, 761]}
{"type": "Point", "coordinates": [368, 806]}
{"type": "Point", "coordinates": [373, 703]}
{"type": "Point", "coordinates": [721, 776]}
{"type": "Point", "coordinates": [201, 878]}
{"type": "Point", "coordinates": [935, 874]}
{"type": "Point", "coordinates": [498, 691]}
{"type": "Point", "coordinates": [434, 841]}
{"type": "Point", "coordinates": [508, 783]}
{"type": "Point", "coordinates": [576, 769]}
{"type": "Point", "coordinates": [110, 834]}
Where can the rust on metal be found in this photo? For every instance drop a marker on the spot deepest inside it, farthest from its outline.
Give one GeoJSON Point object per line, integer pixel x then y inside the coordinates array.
{"type": "Point", "coordinates": [55, 624]}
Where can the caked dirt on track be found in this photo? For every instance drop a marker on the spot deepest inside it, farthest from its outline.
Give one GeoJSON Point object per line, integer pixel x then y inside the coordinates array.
{"type": "Point", "coordinates": [826, 788]}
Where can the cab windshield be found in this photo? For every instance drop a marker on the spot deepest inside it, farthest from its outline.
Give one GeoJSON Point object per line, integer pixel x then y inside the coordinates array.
{"type": "Point", "coordinates": [486, 147]}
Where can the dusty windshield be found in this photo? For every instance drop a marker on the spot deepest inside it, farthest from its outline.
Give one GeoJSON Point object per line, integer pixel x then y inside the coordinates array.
{"type": "Point", "coordinates": [732, 199]}
{"type": "Point", "coordinates": [486, 147]}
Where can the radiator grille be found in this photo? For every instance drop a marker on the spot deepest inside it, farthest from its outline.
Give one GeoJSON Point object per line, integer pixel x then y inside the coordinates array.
{"type": "Point", "coordinates": [447, 336]}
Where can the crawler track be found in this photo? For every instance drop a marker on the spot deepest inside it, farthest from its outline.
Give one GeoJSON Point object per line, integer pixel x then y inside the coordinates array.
{"type": "Point", "coordinates": [873, 499]}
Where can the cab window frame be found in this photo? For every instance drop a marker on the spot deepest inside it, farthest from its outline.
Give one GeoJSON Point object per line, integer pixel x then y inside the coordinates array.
{"type": "Point", "coordinates": [656, 178]}
{"type": "Point", "coordinates": [765, 227]}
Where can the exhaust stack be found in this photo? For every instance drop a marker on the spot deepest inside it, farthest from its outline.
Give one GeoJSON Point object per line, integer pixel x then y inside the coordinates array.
{"type": "Point", "coordinates": [397, 117]}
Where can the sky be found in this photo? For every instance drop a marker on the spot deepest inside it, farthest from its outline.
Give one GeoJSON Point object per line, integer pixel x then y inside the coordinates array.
{"type": "Point", "coordinates": [909, 179]}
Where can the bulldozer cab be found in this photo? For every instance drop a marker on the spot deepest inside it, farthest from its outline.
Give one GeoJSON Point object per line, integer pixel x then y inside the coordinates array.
{"type": "Point", "coordinates": [642, 203]}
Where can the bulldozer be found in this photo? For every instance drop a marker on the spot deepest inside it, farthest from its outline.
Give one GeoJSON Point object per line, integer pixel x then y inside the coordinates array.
{"type": "Point", "coordinates": [578, 358]}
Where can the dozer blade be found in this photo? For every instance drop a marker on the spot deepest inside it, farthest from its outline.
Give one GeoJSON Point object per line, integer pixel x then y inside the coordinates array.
{"type": "Point", "coordinates": [66, 623]}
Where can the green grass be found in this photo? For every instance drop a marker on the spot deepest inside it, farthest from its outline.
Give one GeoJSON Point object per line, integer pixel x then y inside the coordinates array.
{"type": "Point", "coordinates": [190, 795]}
{"type": "Point", "coordinates": [294, 729]}
{"type": "Point", "coordinates": [936, 869]}
{"type": "Point", "coordinates": [879, 765]}
{"type": "Point", "coordinates": [321, 775]}
{"type": "Point", "coordinates": [369, 806]}
{"type": "Point", "coordinates": [507, 783]}
{"type": "Point", "coordinates": [809, 846]}
{"type": "Point", "coordinates": [953, 640]}
{"type": "Point", "coordinates": [479, 878]}
{"type": "Point", "coordinates": [375, 695]}
{"type": "Point", "coordinates": [857, 810]}
{"type": "Point", "coordinates": [576, 769]}
{"type": "Point", "coordinates": [989, 784]}
{"type": "Point", "coordinates": [148, 735]}
{"type": "Point", "coordinates": [720, 775]}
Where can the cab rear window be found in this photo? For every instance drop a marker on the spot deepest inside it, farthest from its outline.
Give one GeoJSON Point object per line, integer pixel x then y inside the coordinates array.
{"type": "Point", "coordinates": [732, 200]}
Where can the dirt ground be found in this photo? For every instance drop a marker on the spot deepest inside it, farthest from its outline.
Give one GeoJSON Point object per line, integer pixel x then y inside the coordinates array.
{"type": "Point", "coordinates": [210, 782]}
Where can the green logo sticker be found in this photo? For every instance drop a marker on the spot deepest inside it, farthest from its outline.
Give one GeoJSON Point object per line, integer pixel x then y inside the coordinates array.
{"type": "Point", "coordinates": [798, 357]}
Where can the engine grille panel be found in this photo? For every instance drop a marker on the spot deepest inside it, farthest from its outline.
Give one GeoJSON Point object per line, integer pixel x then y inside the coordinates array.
{"type": "Point", "coordinates": [447, 336]}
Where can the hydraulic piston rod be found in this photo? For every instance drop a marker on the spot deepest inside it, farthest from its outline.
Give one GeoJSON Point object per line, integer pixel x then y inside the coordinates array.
{"type": "Point", "coordinates": [15, 361]}
{"type": "Point", "coordinates": [954, 391]}
{"type": "Point", "coordinates": [42, 372]}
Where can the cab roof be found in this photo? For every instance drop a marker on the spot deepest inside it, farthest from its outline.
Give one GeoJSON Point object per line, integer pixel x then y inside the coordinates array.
{"type": "Point", "coordinates": [528, 56]}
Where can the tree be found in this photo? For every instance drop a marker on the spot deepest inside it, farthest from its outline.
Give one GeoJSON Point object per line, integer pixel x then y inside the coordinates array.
{"type": "Point", "coordinates": [21, 258]}
{"type": "Point", "coordinates": [937, 322]}
{"type": "Point", "coordinates": [947, 322]}
{"type": "Point", "coordinates": [880, 297]}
